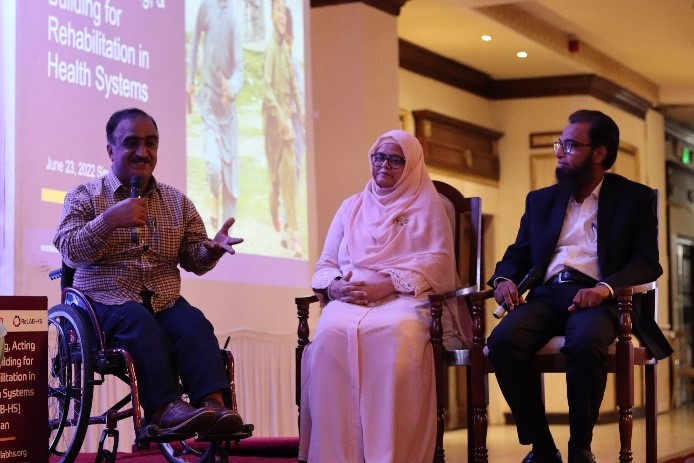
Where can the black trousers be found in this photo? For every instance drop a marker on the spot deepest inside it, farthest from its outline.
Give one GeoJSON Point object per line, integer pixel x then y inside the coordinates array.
{"type": "Point", "coordinates": [176, 341]}
{"type": "Point", "coordinates": [523, 331]}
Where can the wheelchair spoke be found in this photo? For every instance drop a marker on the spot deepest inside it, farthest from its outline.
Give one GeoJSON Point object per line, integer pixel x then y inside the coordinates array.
{"type": "Point", "coordinates": [74, 359]}
{"type": "Point", "coordinates": [71, 361]}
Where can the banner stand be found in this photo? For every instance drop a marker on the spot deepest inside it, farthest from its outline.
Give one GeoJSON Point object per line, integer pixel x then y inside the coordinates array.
{"type": "Point", "coordinates": [24, 380]}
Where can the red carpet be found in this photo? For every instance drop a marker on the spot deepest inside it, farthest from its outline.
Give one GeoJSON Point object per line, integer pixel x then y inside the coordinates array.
{"type": "Point", "coordinates": [265, 450]}
{"type": "Point", "coordinates": [251, 450]}
{"type": "Point", "coordinates": [687, 458]}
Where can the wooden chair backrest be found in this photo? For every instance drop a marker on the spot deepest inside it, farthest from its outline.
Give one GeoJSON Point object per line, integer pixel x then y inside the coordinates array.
{"type": "Point", "coordinates": [466, 225]}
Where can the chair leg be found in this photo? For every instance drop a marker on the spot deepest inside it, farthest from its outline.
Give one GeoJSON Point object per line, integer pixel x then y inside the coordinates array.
{"type": "Point", "coordinates": [479, 403]}
{"type": "Point", "coordinates": [481, 454]}
{"type": "Point", "coordinates": [440, 374]}
{"type": "Point", "coordinates": [625, 377]}
{"type": "Point", "coordinates": [441, 381]}
{"type": "Point", "coordinates": [470, 420]}
{"type": "Point", "coordinates": [625, 402]}
{"type": "Point", "coordinates": [651, 414]}
{"type": "Point", "coordinates": [439, 456]}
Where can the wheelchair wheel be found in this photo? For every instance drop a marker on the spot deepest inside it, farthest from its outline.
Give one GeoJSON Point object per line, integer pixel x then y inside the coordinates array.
{"type": "Point", "coordinates": [194, 452]}
{"type": "Point", "coordinates": [70, 375]}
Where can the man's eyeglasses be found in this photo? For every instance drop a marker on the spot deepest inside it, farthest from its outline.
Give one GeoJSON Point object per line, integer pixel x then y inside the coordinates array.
{"type": "Point", "coordinates": [568, 145]}
{"type": "Point", "coordinates": [395, 162]}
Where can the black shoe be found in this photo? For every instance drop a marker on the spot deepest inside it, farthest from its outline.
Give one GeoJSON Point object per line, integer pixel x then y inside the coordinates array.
{"type": "Point", "coordinates": [537, 457]}
{"type": "Point", "coordinates": [581, 456]}
{"type": "Point", "coordinates": [181, 417]}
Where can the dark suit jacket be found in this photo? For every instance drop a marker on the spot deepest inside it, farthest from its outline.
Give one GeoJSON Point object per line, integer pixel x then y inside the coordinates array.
{"type": "Point", "coordinates": [627, 243]}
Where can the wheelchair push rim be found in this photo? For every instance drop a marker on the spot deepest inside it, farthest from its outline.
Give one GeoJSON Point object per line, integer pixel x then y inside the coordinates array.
{"type": "Point", "coordinates": [70, 384]}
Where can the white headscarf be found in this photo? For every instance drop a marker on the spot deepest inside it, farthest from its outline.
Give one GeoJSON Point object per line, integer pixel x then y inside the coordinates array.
{"type": "Point", "coordinates": [405, 227]}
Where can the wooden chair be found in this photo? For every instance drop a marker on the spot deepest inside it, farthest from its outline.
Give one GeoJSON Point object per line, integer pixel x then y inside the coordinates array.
{"type": "Point", "coordinates": [623, 356]}
{"type": "Point", "coordinates": [466, 224]}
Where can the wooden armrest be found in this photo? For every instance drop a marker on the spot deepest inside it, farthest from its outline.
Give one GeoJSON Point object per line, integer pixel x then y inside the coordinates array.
{"type": "Point", "coordinates": [305, 300]}
{"type": "Point", "coordinates": [302, 332]}
{"type": "Point", "coordinates": [624, 305]}
{"type": "Point", "coordinates": [481, 296]}
{"type": "Point", "coordinates": [302, 310]}
{"type": "Point", "coordinates": [474, 300]}
{"type": "Point", "coordinates": [436, 301]}
{"type": "Point", "coordinates": [636, 289]}
{"type": "Point", "coordinates": [476, 304]}
{"type": "Point", "coordinates": [458, 292]}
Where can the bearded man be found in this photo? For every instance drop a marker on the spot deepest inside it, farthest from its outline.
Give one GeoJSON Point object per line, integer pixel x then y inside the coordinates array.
{"type": "Point", "coordinates": [591, 232]}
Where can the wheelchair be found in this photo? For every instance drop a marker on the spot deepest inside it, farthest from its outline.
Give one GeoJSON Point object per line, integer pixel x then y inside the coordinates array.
{"type": "Point", "coordinates": [79, 360]}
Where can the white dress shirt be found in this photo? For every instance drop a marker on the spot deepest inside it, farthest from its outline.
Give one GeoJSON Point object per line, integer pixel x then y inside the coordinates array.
{"type": "Point", "coordinates": [577, 246]}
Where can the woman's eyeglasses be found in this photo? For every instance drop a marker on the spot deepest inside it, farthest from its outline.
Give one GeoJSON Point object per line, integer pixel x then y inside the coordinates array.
{"type": "Point", "coordinates": [395, 162]}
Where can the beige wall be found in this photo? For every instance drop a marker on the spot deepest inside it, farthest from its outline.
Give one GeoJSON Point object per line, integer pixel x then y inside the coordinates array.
{"type": "Point", "coordinates": [417, 92]}
{"type": "Point", "coordinates": [354, 53]}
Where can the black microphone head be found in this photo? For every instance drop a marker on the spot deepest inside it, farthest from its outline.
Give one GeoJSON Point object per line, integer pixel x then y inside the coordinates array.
{"type": "Point", "coordinates": [136, 186]}
{"type": "Point", "coordinates": [136, 181]}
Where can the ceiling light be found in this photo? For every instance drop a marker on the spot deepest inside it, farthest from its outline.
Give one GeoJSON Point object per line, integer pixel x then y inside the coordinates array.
{"type": "Point", "coordinates": [522, 54]}
{"type": "Point", "coordinates": [486, 38]}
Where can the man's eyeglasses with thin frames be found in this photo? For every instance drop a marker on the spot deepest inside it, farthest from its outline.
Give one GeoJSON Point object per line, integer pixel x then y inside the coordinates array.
{"type": "Point", "coordinates": [568, 145]}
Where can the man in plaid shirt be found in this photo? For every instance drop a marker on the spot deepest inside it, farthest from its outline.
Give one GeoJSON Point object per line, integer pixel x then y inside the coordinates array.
{"type": "Point", "coordinates": [126, 252]}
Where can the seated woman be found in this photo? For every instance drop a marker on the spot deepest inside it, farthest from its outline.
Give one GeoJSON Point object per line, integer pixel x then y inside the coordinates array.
{"type": "Point", "coordinates": [368, 386]}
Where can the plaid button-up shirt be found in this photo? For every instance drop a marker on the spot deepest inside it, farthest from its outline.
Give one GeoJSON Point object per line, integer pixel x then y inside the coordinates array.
{"type": "Point", "coordinates": [109, 267]}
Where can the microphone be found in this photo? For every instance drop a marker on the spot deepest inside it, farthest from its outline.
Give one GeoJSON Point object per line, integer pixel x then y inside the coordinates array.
{"type": "Point", "coordinates": [135, 192]}
{"type": "Point", "coordinates": [528, 280]}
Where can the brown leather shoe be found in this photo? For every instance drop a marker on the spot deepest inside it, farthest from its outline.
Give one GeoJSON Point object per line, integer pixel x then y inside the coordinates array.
{"type": "Point", "coordinates": [181, 417]}
{"type": "Point", "coordinates": [227, 421]}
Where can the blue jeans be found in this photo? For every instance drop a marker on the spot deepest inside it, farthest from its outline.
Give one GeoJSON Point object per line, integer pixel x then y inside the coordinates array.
{"type": "Point", "coordinates": [178, 341]}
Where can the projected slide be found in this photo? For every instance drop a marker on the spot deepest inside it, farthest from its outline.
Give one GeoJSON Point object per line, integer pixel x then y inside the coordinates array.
{"type": "Point", "coordinates": [224, 80]}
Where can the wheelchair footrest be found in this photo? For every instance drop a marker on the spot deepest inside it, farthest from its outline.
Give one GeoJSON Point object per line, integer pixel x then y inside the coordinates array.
{"type": "Point", "coordinates": [237, 436]}
{"type": "Point", "coordinates": [144, 434]}
{"type": "Point", "coordinates": [152, 434]}
{"type": "Point", "coordinates": [168, 437]}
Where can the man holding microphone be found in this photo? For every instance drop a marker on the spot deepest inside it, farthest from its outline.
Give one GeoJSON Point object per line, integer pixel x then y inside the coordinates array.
{"type": "Point", "coordinates": [587, 234]}
{"type": "Point", "coordinates": [125, 234]}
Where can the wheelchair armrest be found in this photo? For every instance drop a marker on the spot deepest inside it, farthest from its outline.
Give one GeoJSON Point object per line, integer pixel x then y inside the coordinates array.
{"type": "Point", "coordinates": [55, 273]}
{"type": "Point", "coordinates": [75, 297]}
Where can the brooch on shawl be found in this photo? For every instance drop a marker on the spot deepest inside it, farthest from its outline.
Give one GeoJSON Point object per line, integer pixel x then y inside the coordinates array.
{"type": "Point", "coordinates": [401, 221]}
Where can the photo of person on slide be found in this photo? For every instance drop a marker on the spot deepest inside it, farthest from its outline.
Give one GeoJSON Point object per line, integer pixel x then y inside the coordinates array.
{"type": "Point", "coordinates": [266, 135]}
{"type": "Point", "coordinates": [222, 79]}
{"type": "Point", "coordinates": [281, 95]}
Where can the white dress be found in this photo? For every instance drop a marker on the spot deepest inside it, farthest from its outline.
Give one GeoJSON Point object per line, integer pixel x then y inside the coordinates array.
{"type": "Point", "coordinates": [368, 386]}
